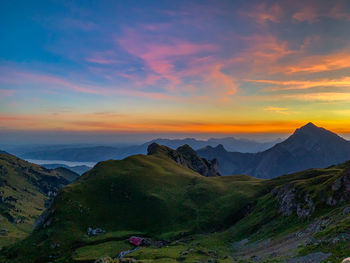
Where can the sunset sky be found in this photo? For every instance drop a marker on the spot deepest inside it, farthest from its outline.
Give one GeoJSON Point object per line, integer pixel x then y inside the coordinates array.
{"type": "Point", "coordinates": [174, 67]}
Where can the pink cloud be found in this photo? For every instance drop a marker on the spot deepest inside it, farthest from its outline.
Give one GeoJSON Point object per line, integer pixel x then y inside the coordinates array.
{"type": "Point", "coordinates": [199, 72]}
{"type": "Point", "coordinates": [51, 84]}
{"type": "Point", "coordinates": [47, 82]}
{"type": "Point", "coordinates": [159, 57]}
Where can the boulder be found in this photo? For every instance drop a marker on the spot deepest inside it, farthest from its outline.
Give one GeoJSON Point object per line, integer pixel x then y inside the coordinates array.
{"type": "Point", "coordinates": [346, 210]}
{"type": "Point", "coordinates": [95, 232]}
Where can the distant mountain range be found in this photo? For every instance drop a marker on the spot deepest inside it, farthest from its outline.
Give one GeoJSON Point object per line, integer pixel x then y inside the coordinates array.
{"type": "Point", "coordinates": [308, 147]}
{"type": "Point", "coordinates": [102, 153]}
{"type": "Point", "coordinates": [79, 169]}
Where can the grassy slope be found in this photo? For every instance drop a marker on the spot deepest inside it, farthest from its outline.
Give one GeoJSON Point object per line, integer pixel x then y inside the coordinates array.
{"type": "Point", "coordinates": [155, 197]}
{"type": "Point", "coordinates": [22, 196]}
{"type": "Point", "coordinates": [152, 195]}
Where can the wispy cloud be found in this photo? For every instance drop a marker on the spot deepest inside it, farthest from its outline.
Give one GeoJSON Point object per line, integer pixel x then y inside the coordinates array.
{"type": "Point", "coordinates": [161, 57]}
{"type": "Point", "coordinates": [281, 85]}
{"type": "Point", "coordinates": [280, 110]}
{"type": "Point", "coordinates": [320, 96]}
{"type": "Point", "coordinates": [321, 63]}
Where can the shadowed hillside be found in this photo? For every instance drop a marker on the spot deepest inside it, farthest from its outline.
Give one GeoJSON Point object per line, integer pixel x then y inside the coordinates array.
{"type": "Point", "coordinates": [26, 190]}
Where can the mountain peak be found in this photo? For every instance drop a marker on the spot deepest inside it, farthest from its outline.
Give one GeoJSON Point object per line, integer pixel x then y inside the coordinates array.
{"type": "Point", "coordinates": [220, 147]}
{"type": "Point", "coordinates": [155, 148]}
{"type": "Point", "coordinates": [309, 126]}
{"type": "Point", "coordinates": [311, 137]}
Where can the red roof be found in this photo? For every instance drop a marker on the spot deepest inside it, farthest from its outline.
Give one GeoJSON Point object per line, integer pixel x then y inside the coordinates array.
{"type": "Point", "coordinates": [136, 241]}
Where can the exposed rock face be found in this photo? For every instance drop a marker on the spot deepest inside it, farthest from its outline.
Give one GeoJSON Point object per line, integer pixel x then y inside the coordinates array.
{"type": "Point", "coordinates": [340, 189]}
{"type": "Point", "coordinates": [291, 200]}
{"type": "Point", "coordinates": [201, 165]}
{"type": "Point", "coordinates": [154, 149]}
{"type": "Point", "coordinates": [187, 157]}
{"type": "Point", "coordinates": [44, 219]}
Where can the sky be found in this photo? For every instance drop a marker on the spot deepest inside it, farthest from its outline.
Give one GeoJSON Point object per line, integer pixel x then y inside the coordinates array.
{"type": "Point", "coordinates": [196, 68]}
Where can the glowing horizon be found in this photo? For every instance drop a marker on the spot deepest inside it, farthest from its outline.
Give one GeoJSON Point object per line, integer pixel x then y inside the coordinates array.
{"type": "Point", "coordinates": [187, 67]}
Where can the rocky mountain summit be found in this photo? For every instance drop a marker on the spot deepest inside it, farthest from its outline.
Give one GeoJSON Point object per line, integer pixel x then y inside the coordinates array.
{"type": "Point", "coordinates": [308, 147]}
{"type": "Point", "coordinates": [187, 157]}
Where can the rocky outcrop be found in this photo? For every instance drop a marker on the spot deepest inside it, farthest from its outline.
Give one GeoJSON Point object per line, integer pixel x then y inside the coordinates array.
{"type": "Point", "coordinates": [291, 200]}
{"type": "Point", "coordinates": [187, 157]}
{"type": "Point", "coordinates": [200, 165]}
{"type": "Point", "coordinates": [156, 149]}
{"type": "Point", "coordinates": [340, 189]}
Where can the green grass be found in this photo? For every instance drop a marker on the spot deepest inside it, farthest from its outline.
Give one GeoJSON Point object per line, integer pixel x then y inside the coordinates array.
{"type": "Point", "coordinates": [92, 252]}
{"type": "Point", "coordinates": [21, 185]}
{"type": "Point", "coordinates": [144, 194]}
{"type": "Point", "coordinates": [153, 196]}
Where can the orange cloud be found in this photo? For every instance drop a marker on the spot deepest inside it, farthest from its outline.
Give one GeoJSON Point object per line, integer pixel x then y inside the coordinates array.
{"type": "Point", "coordinates": [302, 85]}
{"type": "Point", "coordinates": [320, 63]}
{"type": "Point", "coordinates": [133, 123]}
{"type": "Point", "coordinates": [128, 123]}
{"type": "Point", "coordinates": [320, 96]}
{"type": "Point", "coordinates": [261, 55]}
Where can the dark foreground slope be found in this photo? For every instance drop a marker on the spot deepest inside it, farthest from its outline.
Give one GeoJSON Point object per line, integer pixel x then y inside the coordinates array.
{"type": "Point", "coordinates": [204, 219]}
{"type": "Point", "coordinates": [25, 188]}
{"type": "Point", "coordinates": [308, 147]}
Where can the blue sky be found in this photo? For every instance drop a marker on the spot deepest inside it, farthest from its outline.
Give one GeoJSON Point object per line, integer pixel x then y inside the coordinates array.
{"type": "Point", "coordinates": [180, 67]}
